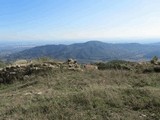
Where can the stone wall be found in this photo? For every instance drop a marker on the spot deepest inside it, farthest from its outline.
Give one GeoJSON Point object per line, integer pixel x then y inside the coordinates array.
{"type": "Point", "coordinates": [19, 71]}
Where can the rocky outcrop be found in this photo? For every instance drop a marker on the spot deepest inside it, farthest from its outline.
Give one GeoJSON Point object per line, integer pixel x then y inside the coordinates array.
{"type": "Point", "coordinates": [22, 71]}
{"type": "Point", "coordinates": [10, 73]}
{"type": "Point", "coordinates": [72, 65]}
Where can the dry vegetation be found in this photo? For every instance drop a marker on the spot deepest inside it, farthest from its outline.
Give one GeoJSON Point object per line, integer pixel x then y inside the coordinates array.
{"type": "Point", "coordinates": [82, 95]}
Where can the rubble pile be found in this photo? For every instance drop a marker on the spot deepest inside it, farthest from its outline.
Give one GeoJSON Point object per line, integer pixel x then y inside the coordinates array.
{"type": "Point", "coordinates": [20, 71]}
{"type": "Point", "coordinates": [72, 65]}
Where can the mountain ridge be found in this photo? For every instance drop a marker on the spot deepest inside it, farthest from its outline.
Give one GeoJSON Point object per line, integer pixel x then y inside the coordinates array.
{"type": "Point", "coordinates": [91, 50]}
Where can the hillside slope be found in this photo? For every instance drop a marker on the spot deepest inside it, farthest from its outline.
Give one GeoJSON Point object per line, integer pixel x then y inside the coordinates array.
{"type": "Point", "coordinates": [87, 95]}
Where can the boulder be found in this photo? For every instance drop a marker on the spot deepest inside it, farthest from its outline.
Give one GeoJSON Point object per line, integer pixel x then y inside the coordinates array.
{"type": "Point", "coordinates": [90, 67]}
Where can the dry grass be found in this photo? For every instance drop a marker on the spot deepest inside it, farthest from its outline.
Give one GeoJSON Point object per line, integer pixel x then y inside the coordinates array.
{"type": "Point", "coordinates": [87, 95]}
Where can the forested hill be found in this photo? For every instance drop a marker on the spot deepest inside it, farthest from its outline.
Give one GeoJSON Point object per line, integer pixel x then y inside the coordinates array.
{"type": "Point", "coordinates": [92, 50]}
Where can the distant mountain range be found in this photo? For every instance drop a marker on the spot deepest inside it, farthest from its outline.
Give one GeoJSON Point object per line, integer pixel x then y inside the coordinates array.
{"type": "Point", "coordinates": [91, 51]}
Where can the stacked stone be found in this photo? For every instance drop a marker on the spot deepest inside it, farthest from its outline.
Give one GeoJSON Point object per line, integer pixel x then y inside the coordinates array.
{"type": "Point", "coordinates": [73, 65]}
{"type": "Point", "coordinates": [13, 72]}
{"type": "Point", "coordinates": [10, 73]}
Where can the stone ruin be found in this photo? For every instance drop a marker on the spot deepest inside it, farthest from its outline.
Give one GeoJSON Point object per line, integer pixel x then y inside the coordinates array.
{"type": "Point", "coordinates": [72, 65]}
{"type": "Point", "coordinates": [20, 71]}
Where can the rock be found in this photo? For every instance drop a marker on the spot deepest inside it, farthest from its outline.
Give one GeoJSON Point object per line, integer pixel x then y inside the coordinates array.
{"type": "Point", "coordinates": [38, 93]}
{"type": "Point", "coordinates": [26, 77]}
{"type": "Point", "coordinates": [19, 62]}
{"type": "Point", "coordinates": [28, 93]}
{"type": "Point", "coordinates": [23, 71]}
{"type": "Point", "coordinates": [70, 61]}
{"type": "Point", "coordinates": [1, 80]}
{"type": "Point", "coordinates": [90, 67]}
{"type": "Point", "coordinates": [12, 73]}
{"type": "Point", "coordinates": [72, 65]}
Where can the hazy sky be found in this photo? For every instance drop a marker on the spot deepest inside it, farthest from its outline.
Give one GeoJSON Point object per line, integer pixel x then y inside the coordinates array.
{"type": "Point", "coordinates": [79, 19]}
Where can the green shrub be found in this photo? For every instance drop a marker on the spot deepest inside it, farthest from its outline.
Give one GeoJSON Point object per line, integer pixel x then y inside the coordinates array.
{"type": "Point", "coordinates": [154, 60]}
{"type": "Point", "coordinates": [2, 64]}
{"type": "Point", "coordinates": [116, 64]}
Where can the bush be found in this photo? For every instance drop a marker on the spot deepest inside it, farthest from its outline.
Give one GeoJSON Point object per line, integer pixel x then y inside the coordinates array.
{"type": "Point", "coordinates": [2, 64]}
{"type": "Point", "coordinates": [154, 60]}
{"type": "Point", "coordinates": [116, 64]}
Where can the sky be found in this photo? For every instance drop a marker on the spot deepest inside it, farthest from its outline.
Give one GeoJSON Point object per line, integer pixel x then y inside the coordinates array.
{"type": "Point", "coordinates": [80, 20]}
